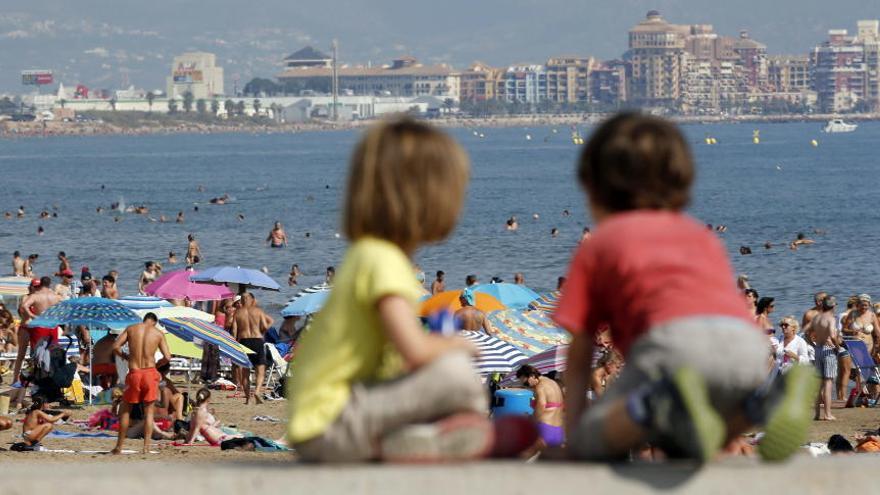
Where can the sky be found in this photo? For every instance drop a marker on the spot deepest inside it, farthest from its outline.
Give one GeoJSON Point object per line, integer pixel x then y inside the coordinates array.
{"type": "Point", "coordinates": [116, 43]}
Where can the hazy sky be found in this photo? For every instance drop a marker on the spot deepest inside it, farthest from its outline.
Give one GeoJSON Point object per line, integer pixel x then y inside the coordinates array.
{"type": "Point", "coordinates": [104, 43]}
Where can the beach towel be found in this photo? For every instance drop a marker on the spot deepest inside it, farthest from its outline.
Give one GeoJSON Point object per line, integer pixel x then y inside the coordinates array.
{"type": "Point", "coordinates": [79, 434]}
{"type": "Point", "coordinates": [257, 444]}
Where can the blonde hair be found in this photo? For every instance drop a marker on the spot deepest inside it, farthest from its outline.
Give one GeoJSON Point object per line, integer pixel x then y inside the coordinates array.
{"type": "Point", "coordinates": [406, 184]}
{"type": "Point", "coordinates": [792, 322]}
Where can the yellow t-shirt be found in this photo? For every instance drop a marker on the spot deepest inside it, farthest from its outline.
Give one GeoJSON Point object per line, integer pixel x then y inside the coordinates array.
{"type": "Point", "coordinates": [346, 343]}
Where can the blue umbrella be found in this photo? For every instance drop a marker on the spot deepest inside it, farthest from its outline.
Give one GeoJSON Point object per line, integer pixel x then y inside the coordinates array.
{"type": "Point", "coordinates": [493, 354]}
{"type": "Point", "coordinates": [88, 312]}
{"type": "Point", "coordinates": [194, 329]}
{"type": "Point", "coordinates": [143, 302]}
{"type": "Point", "coordinates": [236, 275]}
{"type": "Point", "coordinates": [510, 295]}
{"type": "Point", "coordinates": [306, 304]}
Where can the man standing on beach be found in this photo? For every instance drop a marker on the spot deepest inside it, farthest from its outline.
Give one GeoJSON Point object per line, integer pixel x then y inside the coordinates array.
{"type": "Point", "coordinates": [142, 381]}
{"type": "Point", "coordinates": [824, 329]}
{"type": "Point", "coordinates": [249, 325]}
{"type": "Point", "coordinates": [17, 264]}
{"type": "Point", "coordinates": [470, 318]}
{"type": "Point", "coordinates": [64, 289]}
{"type": "Point", "coordinates": [31, 306]}
{"type": "Point", "coordinates": [815, 310]}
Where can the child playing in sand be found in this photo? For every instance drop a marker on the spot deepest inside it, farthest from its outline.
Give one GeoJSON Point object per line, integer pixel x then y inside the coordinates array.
{"type": "Point", "coordinates": [37, 424]}
{"type": "Point", "coordinates": [694, 360]}
{"type": "Point", "coordinates": [368, 382]}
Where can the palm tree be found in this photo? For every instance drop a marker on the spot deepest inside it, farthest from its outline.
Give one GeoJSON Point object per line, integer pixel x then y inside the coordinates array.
{"type": "Point", "coordinates": [257, 106]}
{"type": "Point", "coordinates": [113, 103]}
{"type": "Point", "coordinates": [239, 107]}
{"type": "Point", "coordinates": [62, 102]}
{"type": "Point", "coordinates": [172, 105]}
{"type": "Point", "coordinates": [201, 106]}
{"type": "Point", "coordinates": [188, 101]}
{"type": "Point", "coordinates": [229, 106]}
{"type": "Point", "coordinates": [215, 107]}
{"type": "Point", "coordinates": [150, 98]}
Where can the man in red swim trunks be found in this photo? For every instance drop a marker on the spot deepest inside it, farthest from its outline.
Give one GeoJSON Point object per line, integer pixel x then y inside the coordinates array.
{"type": "Point", "coordinates": [33, 305]}
{"type": "Point", "coordinates": [142, 381]}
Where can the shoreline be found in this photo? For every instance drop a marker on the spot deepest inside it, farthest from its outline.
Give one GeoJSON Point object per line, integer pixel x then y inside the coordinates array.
{"type": "Point", "coordinates": [14, 130]}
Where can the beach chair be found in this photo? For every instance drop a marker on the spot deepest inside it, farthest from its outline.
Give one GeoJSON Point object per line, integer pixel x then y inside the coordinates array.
{"type": "Point", "coordinates": [277, 368]}
{"type": "Point", "coordinates": [863, 363]}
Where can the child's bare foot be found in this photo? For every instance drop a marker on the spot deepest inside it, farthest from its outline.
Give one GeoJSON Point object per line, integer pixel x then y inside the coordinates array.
{"type": "Point", "coordinates": [116, 451]}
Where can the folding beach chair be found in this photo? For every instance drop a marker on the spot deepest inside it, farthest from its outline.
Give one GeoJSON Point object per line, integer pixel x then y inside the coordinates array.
{"type": "Point", "coordinates": [863, 363]}
{"type": "Point", "coordinates": [277, 368]}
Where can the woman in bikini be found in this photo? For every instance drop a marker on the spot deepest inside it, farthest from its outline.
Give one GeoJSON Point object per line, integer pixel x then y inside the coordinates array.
{"type": "Point", "coordinates": [862, 324]}
{"type": "Point", "coordinates": [765, 306]}
{"type": "Point", "coordinates": [202, 421]}
{"type": "Point", "coordinates": [549, 414]}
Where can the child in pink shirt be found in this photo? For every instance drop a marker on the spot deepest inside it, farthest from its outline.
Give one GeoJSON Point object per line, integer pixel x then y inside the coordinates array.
{"type": "Point", "coordinates": [695, 373]}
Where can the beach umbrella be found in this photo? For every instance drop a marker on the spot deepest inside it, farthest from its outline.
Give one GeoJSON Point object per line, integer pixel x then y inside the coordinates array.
{"type": "Point", "coordinates": [449, 301]}
{"type": "Point", "coordinates": [143, 302]}
{"type": "Point", "coordinates": [547, 302]}
{"type": "Point", "coordinates": [177, 285]}
{"type": "Point", "coordinates": [310, 290]}
{"type": "Point", "coordinates": [510, 295]}
{"type": "Point", "coordinates": [529, 331]}
{"type": "Point", "coordinates": [494, 355]}
{"type": "Point", "coordinates": [90, 312]}
{"type": "Point", "coordinates": [306, 304]}
{"type": "Point", "coordinates": [244, 277]}
{"type": "Point", "coordinates": [14, 286]}
{"type": "Point", "coordinates": [197, 331]}
{"type": "Point", "coordinates": [553, 359]}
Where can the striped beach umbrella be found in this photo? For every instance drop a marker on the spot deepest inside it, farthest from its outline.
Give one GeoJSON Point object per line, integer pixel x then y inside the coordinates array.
{"type": "Point", "coordinates": [547, 302]}
{"type": "Point", "coordinates": [529, 331]}
{"type": "Point", "coordinates": [195, 330]}
{"type": "Point", "coordinates": [14, 286]}
{"type": "Point", "coordinates": [495, 355]}
{"type": "Point", "coordinates": [143, 302]}
{"type": "Point", "coordinates": [553, 359]}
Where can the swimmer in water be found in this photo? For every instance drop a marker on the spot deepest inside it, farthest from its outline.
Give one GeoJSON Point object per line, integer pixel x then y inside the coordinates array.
{"type": "Point", "coordinates": [554, 232]}
{"type": "Point", "coordinates": [512, 224]}
{"type": "Point", "coordinates": [800, 241]}
{"type": "Point", "coordinates": [172, 258]}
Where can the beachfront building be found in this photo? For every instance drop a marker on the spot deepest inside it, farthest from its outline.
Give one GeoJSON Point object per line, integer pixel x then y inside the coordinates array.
{"type": "Point", "coordinates": [789, 73]}
{"type": "Point", "coordinates": [479, 83]}
{"type": "Point", "coordinates": [196, 73]}
{"type": "Point", "coordinates": [523, 84]}
{"type": "Point", "coordinates": [839, 72]}
{"type": "Point", "coordinates": [404, 77]}
{"type": "Point", "coordinates": [568, 79]}
{"type": "Point", "coordinates": [869, 37]}
{"type": "Point", "coordinates": [658, 60]}
{"type": "Point", "coordinates": [308, 57]}
{"type": "Point", "coordinates": [608, 83]}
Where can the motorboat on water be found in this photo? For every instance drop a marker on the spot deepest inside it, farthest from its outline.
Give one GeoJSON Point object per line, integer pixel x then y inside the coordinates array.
{"type": "Point", "coordinates": [838, 125]}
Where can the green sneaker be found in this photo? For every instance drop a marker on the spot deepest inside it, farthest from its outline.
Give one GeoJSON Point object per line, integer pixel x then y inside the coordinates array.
{"type": "Point", "coordinates": [682, 414]}
{"type": "Point", "coordinates": [790, 414]}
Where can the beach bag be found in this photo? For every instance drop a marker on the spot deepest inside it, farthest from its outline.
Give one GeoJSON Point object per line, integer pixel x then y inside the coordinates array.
{"type": "Point", "coordinates": [74, 393]}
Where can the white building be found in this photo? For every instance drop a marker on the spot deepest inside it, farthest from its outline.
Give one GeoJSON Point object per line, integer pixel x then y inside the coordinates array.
{"type": "Point", "coordinates": [197, 73]}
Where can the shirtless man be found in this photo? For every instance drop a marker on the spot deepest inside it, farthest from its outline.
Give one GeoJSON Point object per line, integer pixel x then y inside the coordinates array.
{"type": "Point", "coordinates": [801, 240]}
{"type": "Point", "coordinates": [142, 381]}
{"type": "Point", "coordinates": [813, 312]}
{"type": "Point", "coordinates": [277, 237]}
{"type": "Point", "coordinates": [193, 251]}
{"type": "Point", "coordinates": [29, 265]}
{"type": "Point", "coordinates": [439, 283]}
{"type": "Point", "coordinates": [519, 278]}
{"type": "Point", "coordinates": [108, 287]}
{"type": "Point", "coordinates": [103, 362]}
{"type": "Point", "coordinates": [471, 318]}
{"type": "Point", "coordinates": [33, 305]}
{"type": "Point", "coordinates": [824, 328]}
{"type": "Point", "coordinates": [549, 416]}
{"type": "Point", "coordinates": [249, 325]}
{"type": "Point", "coordinates": [17, 264]}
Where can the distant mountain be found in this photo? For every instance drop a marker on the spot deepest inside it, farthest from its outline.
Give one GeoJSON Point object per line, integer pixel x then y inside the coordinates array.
{"type": "Point", "coordinates": [110, 44]}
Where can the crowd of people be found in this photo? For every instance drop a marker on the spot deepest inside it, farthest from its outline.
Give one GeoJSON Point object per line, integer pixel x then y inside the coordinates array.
{"type": "Point", "coordinates": [666, 355]}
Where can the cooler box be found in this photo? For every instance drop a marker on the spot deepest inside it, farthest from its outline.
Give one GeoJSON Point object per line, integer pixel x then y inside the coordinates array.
{"type": "Point", "coordinates": [511, 401]}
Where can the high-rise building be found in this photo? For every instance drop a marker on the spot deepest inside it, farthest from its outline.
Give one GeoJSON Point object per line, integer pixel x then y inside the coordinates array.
{"type": "Point", "coordinates": [658, 60]}
{"type": "Point", "coordinates": [869, 37]}
{"type": "Point", "coordinates": [789, 73]}
{"type": "Point", "coordinates": [568, 79]}
{"type": "Point", "coordinates": [839, 72]}
{"type": "Point", "coordinates": [196, 73]}
{"type": "Point", "coordinates": [478, 83]}
{"type": "Point", "coordinates": [752, 56]}
{"type": "Point", "coordinates": [523, 84]}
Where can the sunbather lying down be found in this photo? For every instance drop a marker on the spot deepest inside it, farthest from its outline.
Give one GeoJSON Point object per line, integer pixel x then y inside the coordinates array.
{"type": "Point", "coordinates": [203, 423]}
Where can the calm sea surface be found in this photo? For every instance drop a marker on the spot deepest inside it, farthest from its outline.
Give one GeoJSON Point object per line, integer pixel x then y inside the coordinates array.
{"type": "Point", "coordinates": [767, 192]}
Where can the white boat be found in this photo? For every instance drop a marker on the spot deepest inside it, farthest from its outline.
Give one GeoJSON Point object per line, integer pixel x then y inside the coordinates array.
{"type": "Point", "coordinates": [838, 125]}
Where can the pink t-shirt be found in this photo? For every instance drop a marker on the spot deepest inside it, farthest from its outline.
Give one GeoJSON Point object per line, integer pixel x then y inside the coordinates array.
{"type": "Point", "coordinates": [644, 268]}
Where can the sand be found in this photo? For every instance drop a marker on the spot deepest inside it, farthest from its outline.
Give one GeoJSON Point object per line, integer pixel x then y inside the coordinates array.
{"type": "Point", "coordinates": [231, 411]}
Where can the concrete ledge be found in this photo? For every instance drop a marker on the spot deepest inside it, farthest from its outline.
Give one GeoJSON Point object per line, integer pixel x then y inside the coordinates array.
{"type": "Point", "coordinates": [137, 477]}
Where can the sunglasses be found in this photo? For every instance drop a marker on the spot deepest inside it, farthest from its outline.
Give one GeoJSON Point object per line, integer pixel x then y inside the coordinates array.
{"type": "Point", "coordinates": [783, 325]}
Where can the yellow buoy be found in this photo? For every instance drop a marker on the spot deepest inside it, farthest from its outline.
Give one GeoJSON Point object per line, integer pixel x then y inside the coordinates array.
{"type": "Point", "coordinates": [714, 141]}
{"type": "Point", "coordinates": [756, 140]}
{"type": "Point", "coordinates": [708, 140]}
{"type": "Point", "coordinates": [814, 143]}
